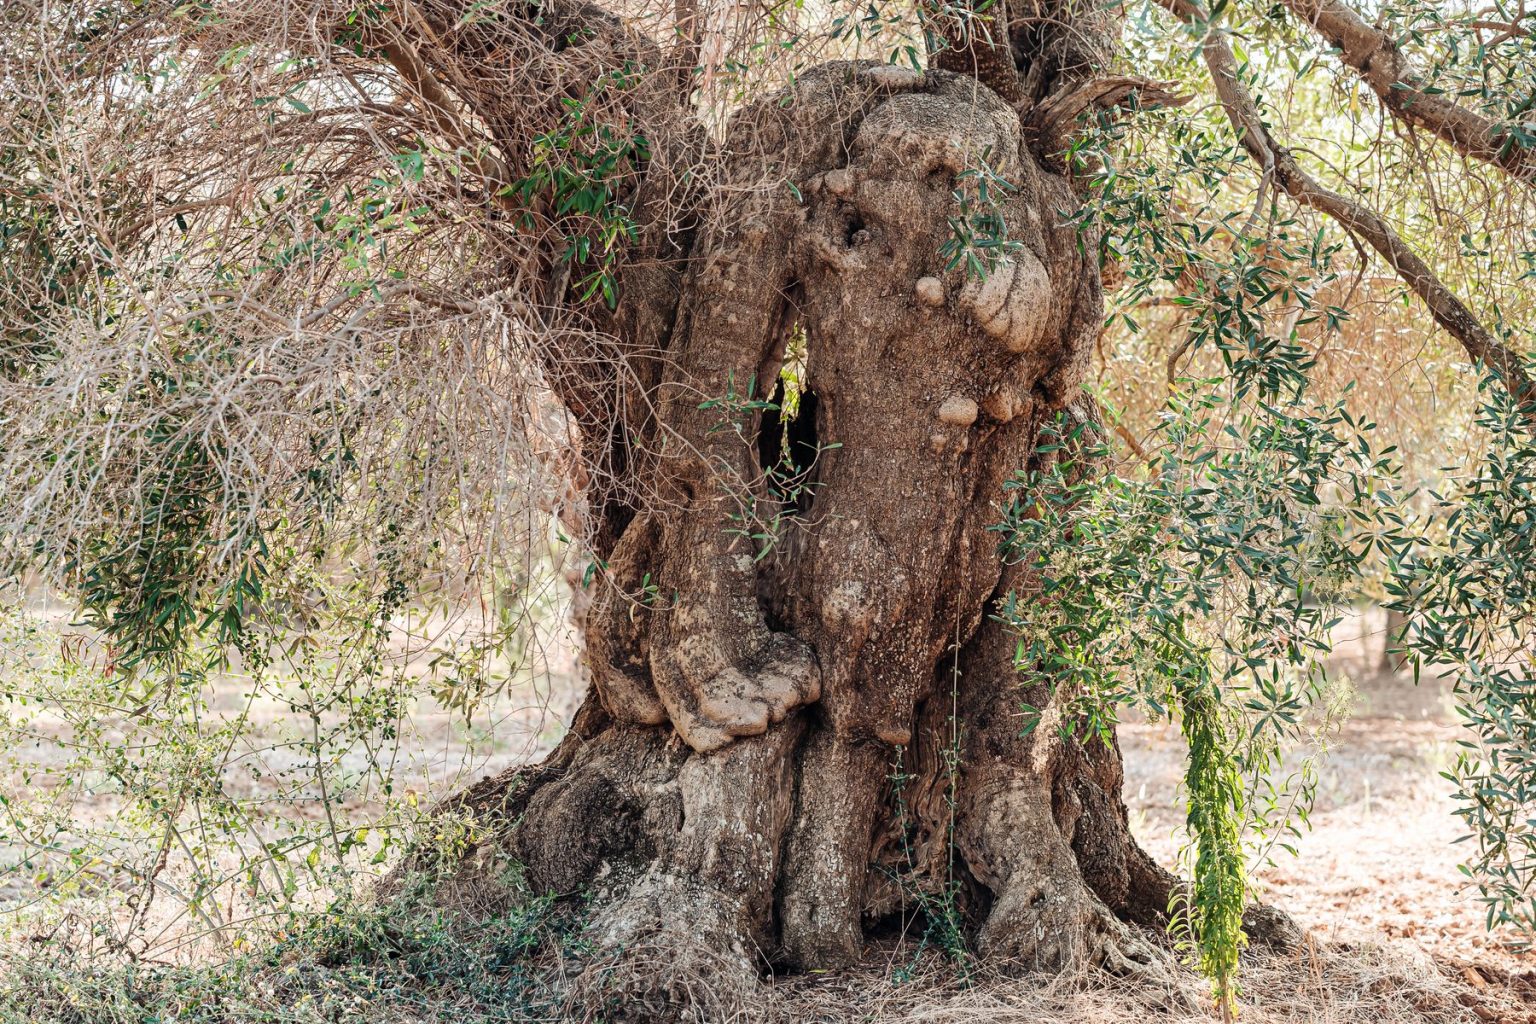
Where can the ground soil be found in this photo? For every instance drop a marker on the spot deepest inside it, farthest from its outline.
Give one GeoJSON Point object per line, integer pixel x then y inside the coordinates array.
{"type": "Point", "coordinates": [1378, 867]}
{"type": "Point", "coordinates": [1376, 873]}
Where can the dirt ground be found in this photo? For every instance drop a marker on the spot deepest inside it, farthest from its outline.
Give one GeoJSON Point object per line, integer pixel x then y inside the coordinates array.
{"type": "Point", "coordinates": [1377, 870]}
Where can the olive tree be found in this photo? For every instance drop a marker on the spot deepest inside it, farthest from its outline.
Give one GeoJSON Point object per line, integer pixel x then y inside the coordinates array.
{"type": "Point", "coordinates": [768, 335]}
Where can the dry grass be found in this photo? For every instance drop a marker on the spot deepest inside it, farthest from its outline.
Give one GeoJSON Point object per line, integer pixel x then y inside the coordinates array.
{"type": "Point", "coordinates": [356, 970]}
{"type": "Point", "coordinates": [1321, 984]}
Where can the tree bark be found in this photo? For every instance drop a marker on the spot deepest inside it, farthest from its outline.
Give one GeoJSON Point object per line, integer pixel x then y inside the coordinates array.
{"type": "Point", "coordinates": [794, 739]}
{"type": "Point", "coordinates": [1394, 653]}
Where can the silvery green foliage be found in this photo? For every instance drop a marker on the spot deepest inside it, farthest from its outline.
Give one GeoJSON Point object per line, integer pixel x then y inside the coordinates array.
{"type": "Point", "coordinates": [1467, 582]}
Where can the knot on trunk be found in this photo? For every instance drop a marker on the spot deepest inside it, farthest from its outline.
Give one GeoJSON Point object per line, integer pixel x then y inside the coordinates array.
{"type": "Point", "coordinates": [1012, 302]}
{"type": "Point", "coordinates": [713, 699]}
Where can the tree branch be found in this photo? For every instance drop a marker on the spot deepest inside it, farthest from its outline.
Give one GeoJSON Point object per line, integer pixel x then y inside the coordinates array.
{"type": "Point", "coordinates": [1392, 77]}
{"type": "Point", "coordinates": [1055, 118]}
{"type": "Point", "coordinates": [439, 107]}
{"type": "Point", "coordinates": [1365, 224]}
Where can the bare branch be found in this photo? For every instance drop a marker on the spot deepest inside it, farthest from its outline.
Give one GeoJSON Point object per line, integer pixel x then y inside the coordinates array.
{"type": "Point", "coordinates": [439, 107]}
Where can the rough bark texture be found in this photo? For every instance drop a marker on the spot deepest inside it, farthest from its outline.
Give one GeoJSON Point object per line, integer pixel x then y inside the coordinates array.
{"type": "Point", "coordinates": [782, 753]}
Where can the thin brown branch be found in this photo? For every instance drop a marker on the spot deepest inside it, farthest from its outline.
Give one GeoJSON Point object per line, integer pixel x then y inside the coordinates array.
{"type": "Point", "coordinates": [1361, 222]}
{"type": "Point", "coordinates": [440, 106]}
{"type": "Point", "coordinates": [1505, 30]}
{"type": "Point", "coordinates": [1058, 115]}
{"type": "Point", "coordinates": [1136, 447]}
{"type": "Point", "coordinates": [1392, 77]}
{"type": "Point", "coordinates": [685, 14]}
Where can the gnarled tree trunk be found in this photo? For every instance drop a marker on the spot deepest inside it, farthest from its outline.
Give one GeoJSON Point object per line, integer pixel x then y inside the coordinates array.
{"type": "Point", "coordinates": [782, 752]}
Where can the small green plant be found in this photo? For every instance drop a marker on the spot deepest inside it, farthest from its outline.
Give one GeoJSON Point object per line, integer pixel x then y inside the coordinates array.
{"type": "Point", "coordinates": [410, 953]}
{"type": "Point", "coordinates": [581, 172]}
{"type": "Point", "coordinates": [1208, 917]}
{"type": "Point", "coordinates": [737, 410]}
